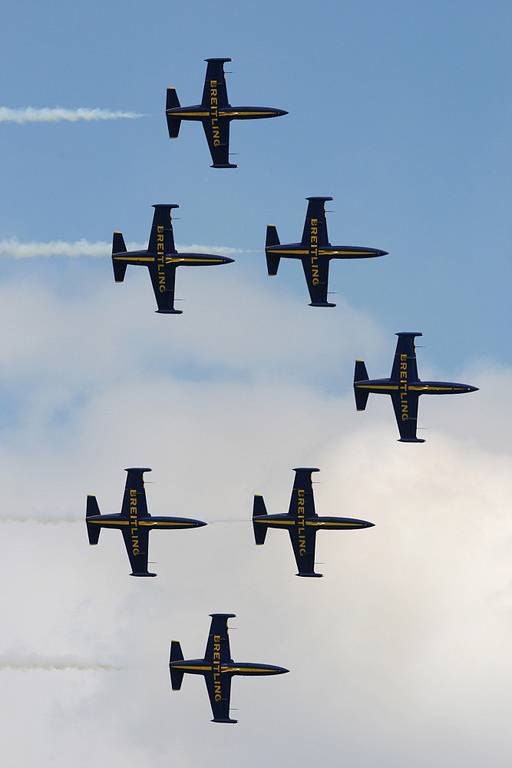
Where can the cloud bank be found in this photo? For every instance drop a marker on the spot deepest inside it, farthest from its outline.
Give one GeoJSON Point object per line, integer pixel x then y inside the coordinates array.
{"type": "Point", "coordinates": [58, 115]}
{"type": "Point", "coordinates": [398, 656]}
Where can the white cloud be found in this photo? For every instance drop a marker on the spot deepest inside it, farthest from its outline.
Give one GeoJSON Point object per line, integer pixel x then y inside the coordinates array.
{"type": "Point", "coordinates": [398, 655]}
{"type": "Point", "coordinates": [58, 114]}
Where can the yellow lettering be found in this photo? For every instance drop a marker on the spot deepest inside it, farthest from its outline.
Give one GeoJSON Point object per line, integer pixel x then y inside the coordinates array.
{"type": "Point", "coordinates": [300, 522]}
{"type": "Point", "coordinates": [313, 246]}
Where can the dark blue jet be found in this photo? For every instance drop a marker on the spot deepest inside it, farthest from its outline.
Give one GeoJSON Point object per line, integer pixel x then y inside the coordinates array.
{"type": "Point", "coordinates": [301, 522]}
{"type": "Point", "coordinates": [217, 667]}
{"type": "Point", "coordinates": [314, 251]}
{"type": "Point", "coordinates": [404, 387]}
{"type": "Point", "coordinates": [134, 522]}
{"type": "Point", "coordinates": [161, 258]}
{"type": "Point", "coordinates": [214, 112]}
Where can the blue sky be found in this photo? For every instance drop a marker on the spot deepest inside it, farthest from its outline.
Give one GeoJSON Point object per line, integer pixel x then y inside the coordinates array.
{"type": "Point", "coordinates": [401, 112]}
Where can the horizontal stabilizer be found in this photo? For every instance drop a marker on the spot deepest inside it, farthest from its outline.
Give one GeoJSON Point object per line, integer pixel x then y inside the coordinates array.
{"type": "Point", "coordinates": [361, 395]}
{"type": "Point", "coordinates": [272, 258]}
{"type": "Point", "coordinates": [176, 674]}
{"type": "Point", "coordinates": [118, 246]}
{"type": "Point", "coordinates": [92, 510]}
{"type": "Point", "coordinates": [173, 121]}
{"type": "Point", "coordinates": [259, 510]}
{"type": "Point", "coordinates": [272, 236]}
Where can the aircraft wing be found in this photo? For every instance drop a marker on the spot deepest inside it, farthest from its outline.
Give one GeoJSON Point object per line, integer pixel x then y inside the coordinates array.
{"type": "Point", "coordinates": [217, 136]}
{"type": "Point", "coordinates": [161, 239]}
{"type": "Point", "coordinates": [215, 85]}
{"type": "Point", "coordinates": [316, 271]}
{"type": "Point", "coordinates": [134, 498]}
{"type": "Point", "coordinates": [219, 693]}
{"type": "Point", "coordinates": [218, 639]}
{"type": "Point", "coordinates": [405, 405]}
{"type": "Point", "coordinates": [303, 540]}
{"type": "Point", "coordinates": [404, 364]}
{"type": "Point", "coordinates": [302, 501]}
{"type": "Point", "coordinates": [315, 225]}
{"type": "Point", "coordinates": [163, 280]}
{"type": "Point", "coordinates": [136, 540]}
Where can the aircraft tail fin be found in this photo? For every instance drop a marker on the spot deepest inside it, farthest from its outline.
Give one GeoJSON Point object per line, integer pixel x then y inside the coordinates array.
{"type": "Point", "coordinates": [272, 258]}
{"type": "Point", "coordinates": [173, 121]}
{"type": "Point", "coordinates": [176, 674]}
{"type": "Point", "coordinates": [118, 246]}
{"type": "Point", "coordinates": [361, 395]}
{"type": "Point", "coordinates": [259, 510]}
{"type": "Point", "coordinates": [92, 510]}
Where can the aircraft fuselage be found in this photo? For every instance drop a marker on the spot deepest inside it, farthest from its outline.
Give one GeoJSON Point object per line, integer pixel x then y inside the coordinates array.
{"type": "Point", "coordinates": [245, 668]}
{"type": "Point", "coordinates": [120, 522]}
{"type": "Point", "coordinates": [202, 113]}
{"type": "Point", "coordinates": [300, 251]}
{"type": "Point", "coordinates": [319, 523]}
{"type": "Point", "coordinates": [145, 258]}
{"type": "Point", "coordinates": [390, 387]}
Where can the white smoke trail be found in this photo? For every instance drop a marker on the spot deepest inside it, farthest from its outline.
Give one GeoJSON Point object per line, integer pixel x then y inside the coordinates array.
{"type": "Point", "coordinates": [39, 520]}
{"type": "Point", "coordinates": [13, 249]}
{"type": "Point", "coordinates": [29, 664]}
{"type": "Point", "coordinates": [58, 114]}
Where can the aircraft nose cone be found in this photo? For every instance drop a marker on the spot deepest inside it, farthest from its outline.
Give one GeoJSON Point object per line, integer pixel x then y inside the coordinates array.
{"type": "Point", "coordinates": [367, 524]}
{"type": "Point", "coordinates": [227, 260]}
{"type": "Point", "coordinates": [279, 113]}
{"type": "Point", "coordinates": [281, 670]}
{"type": "Point", "coordinates": [383, 253]}
{"type": "Point", "coordinates": [472, 389]}
{"type": "Point", "coordinates": [199, 523]}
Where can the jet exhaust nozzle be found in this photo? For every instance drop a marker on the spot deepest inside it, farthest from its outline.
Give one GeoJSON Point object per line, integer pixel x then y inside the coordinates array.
{"type": "Point", "coordinates": [92, 510]}
{"type": "Point", "coordinates": [259, 510]}
{"type": "Point", "coordinates": [176, 674]}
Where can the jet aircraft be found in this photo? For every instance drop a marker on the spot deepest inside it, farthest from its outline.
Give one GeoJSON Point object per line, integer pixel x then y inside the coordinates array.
{"type": "Point", "coordinates": [214, 112]}
{"type": "Point", "coordinates": [161, 258]}
{"type": "Point", "coordinates": [134, 522]}
{"type": "Point", "coordinates": [217, 667]}
{"type": "Point", "coordinates": [404, 387]}
{"type": "Point", "coordinates": [314, 251]}
{"type": "Point", "coordinates": [301, 522]}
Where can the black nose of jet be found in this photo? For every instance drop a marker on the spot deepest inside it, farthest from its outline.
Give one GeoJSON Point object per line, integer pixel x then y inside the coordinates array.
{"type": "Point", "coordinates": [469, 388]}
{"type": "Point", "coordinates": [279, 113]}
{"type": "Point", "coordinates": [227, 260]}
